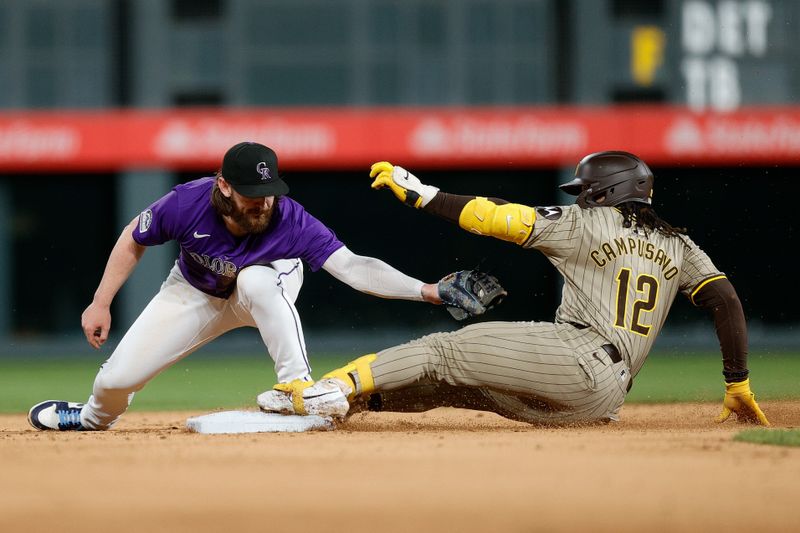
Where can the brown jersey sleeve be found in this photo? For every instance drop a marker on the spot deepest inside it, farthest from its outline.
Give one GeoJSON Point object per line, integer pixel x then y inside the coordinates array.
{"type": "Point", "coordinates": [720, 298]}
{"type": "Point", "coordinates": [449, 206]}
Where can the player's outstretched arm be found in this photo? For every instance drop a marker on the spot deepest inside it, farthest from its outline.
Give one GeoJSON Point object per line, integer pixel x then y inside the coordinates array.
{"type": "Point", "coordinates": [492, 217]}
{"type": "Point", "coordinates": [718, 296]}
{"type": "Point", "coordinates": [96, 319]}
{"type": "Point", "coordinates": [375, 277]}
{"type": "Point", "coordinates": [467, 293]}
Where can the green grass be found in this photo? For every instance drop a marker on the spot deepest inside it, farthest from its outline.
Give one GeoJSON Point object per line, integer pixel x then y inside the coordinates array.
{"type": "Point", "coordinates": [194, 383]}
{"type": "Point", "coordinates": [698, 377]}
{"type": "Point", "coordinates": [202, 382]}
{"type": "Point", "coordinates": [777, 437]}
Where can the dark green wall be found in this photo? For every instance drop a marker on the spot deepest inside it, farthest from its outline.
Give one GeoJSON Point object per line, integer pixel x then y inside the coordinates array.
{"type": "Point", "coordinates": [745, 218]}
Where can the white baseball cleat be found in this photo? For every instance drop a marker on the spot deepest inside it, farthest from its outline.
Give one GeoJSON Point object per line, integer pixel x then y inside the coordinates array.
{"type": "Point", "coordinates": [56, 415]}
{"type": "Point", "coordinates": [323, 398]}
{"type": "Point", "coordinates": [275, 401]}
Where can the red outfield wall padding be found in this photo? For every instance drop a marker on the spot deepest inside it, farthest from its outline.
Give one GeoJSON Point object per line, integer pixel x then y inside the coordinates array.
{"type": "Point", "coordinates": [352, 138]}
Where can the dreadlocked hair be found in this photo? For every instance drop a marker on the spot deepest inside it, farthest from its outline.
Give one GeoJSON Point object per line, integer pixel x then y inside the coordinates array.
{"type": "Point", "coordinates": [639, 215]}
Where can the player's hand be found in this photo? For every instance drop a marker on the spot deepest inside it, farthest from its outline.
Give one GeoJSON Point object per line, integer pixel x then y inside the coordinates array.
{"type": "Point", "coordinates": [469, 293]}
{"type": "Point", "coordinates": [96, 322]}
{"type": "Point", "coordinates": [405, 185]}
{"type": "Point", "coordinates": [740, 399]}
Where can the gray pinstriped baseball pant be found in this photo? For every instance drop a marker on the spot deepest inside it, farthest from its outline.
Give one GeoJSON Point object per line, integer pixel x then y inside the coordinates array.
{"type": "Point", "coordinates": [537, 372]}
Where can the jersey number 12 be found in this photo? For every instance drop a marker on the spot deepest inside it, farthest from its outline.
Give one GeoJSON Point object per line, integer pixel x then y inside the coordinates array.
{"type": "Point", "coordinates": [647, 286]}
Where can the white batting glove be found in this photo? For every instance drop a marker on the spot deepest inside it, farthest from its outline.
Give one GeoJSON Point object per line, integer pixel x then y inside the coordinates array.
{"type": "Point", "coordinates": [405, 185]}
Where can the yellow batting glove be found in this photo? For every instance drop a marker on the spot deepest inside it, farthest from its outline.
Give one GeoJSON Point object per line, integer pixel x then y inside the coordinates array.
{"type": "Point", "coordinates": [295, 388]}
{"type": "Point", "coordinates": [405, 186]}
{"type": "Point", "coordinates": [382, 172]}
{"type": "Point", "coordinates": [740, 399]}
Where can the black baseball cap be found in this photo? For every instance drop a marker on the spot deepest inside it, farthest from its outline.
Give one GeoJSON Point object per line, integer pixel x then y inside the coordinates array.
{"type": "Point", "coordinates": [252, 170]}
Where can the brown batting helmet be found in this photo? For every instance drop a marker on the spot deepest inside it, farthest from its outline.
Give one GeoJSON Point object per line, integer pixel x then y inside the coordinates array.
{"type": "Point", "coordinates": [604, 179]}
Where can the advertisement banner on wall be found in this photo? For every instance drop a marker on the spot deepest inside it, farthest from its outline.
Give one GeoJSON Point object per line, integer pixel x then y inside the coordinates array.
{"type": "Point", "coordinates": [506, 137]}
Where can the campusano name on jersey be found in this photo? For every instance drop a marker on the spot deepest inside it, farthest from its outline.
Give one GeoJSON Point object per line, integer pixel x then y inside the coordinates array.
{"type": "Point", "coordinates": [608, 251]}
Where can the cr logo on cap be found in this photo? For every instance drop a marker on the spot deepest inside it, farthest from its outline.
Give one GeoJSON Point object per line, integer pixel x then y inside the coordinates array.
{"type": "Point", "coordinates": [262, 169]}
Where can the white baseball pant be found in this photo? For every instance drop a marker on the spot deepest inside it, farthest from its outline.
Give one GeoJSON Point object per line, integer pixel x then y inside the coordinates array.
{"type": "Point", "coordinates": [180, 319]}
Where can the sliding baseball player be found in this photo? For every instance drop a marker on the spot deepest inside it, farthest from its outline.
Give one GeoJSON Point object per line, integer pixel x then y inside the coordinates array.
{"type": "Point", "coordinates": [622, 267]}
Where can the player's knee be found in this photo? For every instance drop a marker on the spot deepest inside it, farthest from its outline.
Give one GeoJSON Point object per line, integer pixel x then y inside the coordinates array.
{"type": "Point", "coordinates": [256, 276]}
{"type": "Point", "coordinates": [257, 282]}
{"type": "Point", "coordinates": [110, 381]}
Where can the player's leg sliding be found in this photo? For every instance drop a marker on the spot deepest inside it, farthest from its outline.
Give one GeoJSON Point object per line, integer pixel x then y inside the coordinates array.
{"type": "Point", "coordinates": [354, 378]}
{"type": "Point", "coordinates": [56, 415]}
{"type": "Point", "coordinates": [323, 398]}
{"type": "Point", "coordinates": [330, 396]}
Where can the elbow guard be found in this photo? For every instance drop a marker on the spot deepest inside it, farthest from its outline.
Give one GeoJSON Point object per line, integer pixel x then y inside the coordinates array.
{"type": "Point", "coordinates": [509, 222]}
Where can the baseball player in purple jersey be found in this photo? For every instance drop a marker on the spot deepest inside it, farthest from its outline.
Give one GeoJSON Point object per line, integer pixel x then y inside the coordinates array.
{"type": "Point", "coordinates": [242, 247]}
{"type": "Point", "coordinates": [622, 267]}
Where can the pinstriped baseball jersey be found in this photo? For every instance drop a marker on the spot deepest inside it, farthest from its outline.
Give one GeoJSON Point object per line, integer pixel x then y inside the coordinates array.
{"type": "Point", "coordinates": [619, 287]}
{"type": "Point", "coordinates": [619, 281]}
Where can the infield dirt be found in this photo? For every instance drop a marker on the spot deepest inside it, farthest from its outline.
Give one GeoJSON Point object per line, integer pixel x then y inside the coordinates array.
{"type": "Point", "coordinates": [662, 468]}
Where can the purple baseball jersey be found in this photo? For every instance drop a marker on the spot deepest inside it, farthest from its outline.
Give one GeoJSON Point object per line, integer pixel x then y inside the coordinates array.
{"type": "Point", "coordinates": [211, 257]}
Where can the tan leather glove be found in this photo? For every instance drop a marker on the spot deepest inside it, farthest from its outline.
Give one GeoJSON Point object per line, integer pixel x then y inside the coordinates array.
{"type": "Point", "coordinates": [740, 399]}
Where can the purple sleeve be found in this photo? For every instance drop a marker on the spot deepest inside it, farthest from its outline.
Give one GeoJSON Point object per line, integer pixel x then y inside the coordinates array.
{"type": "Point", "coordinates": [157, 223]}
{"type": "Point", "coordinates": [320, 241]}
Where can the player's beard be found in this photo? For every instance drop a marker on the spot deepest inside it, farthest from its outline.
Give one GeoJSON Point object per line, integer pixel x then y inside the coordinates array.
{"type": "Point", "coordinates": [253, 220]}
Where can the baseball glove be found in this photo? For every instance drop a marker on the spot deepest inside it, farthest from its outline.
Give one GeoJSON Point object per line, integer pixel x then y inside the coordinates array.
{"type": "Point", "coordinates": [469, 293]}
